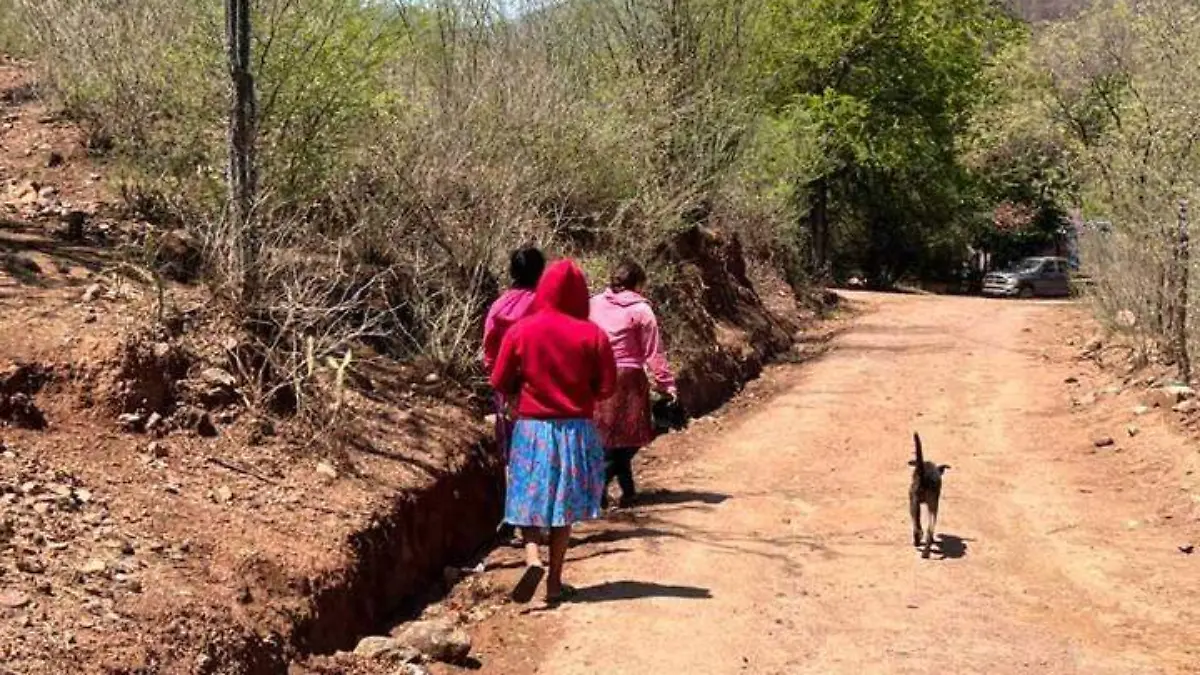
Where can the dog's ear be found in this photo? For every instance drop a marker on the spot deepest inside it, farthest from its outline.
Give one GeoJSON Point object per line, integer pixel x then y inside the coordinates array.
{"type": "Point", "coordinates": [942, 468]}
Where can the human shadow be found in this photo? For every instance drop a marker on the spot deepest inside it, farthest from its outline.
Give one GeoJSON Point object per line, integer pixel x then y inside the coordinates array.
{"type": "Point", "coordinates": [614, 535]}
{"type": "Point", "coordinates": [675, 497]}
{"type": "Point", "coordinates": [950, 546]}
{"type": "Point", "coordinates": [616, 591]}
{"type": "Point", "coordinates": [517, 564]}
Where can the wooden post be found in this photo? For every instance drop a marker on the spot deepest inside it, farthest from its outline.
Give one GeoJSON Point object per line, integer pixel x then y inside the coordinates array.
{"type": "Point", "coordinates": [1181, 301]}
{"type": "Point", "coordinates": [243, 114]}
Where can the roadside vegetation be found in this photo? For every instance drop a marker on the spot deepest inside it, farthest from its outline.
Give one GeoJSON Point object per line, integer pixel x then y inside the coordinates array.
{"type": "Point", "coordinates": [404, 148]}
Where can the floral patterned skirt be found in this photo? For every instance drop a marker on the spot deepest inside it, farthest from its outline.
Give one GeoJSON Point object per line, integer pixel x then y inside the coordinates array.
{"type": "Point", "coordinates": [555, 473]}
{"type": "Point", "coordinates": [624, 418]}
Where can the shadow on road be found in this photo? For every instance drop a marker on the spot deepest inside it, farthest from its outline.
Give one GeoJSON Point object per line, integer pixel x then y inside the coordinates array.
{"type": "Point", "coordinates": [674, 497]}
{"type": "Point", "coordinates": [616, 535]}
{"type": "Point", "coordinates": [615, 591]}
{"type": "Point", "coordinates": [950, 546]}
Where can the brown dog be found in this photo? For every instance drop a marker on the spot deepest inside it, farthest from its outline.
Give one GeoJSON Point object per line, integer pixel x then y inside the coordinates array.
{"type": "Point", "coordinates": [926, 489]}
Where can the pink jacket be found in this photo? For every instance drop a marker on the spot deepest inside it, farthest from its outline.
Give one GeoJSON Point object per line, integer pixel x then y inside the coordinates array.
{"type": "Point", "coordinates": [514, 305]}
{"type": "Point", "coordinates": [633, 332]}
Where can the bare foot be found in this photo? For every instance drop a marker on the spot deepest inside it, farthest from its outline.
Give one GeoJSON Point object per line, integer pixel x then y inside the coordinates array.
{"type": "Point", "coordinates": [533, 557]}
{"type": "Point", "coordinates": [559, 593]}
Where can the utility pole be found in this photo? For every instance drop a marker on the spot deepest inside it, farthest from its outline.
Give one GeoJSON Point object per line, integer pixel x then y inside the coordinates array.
{"type": "Point", "coordinates": [1183, 264]}
{"type": "Point", "coordinates": [243, 121]}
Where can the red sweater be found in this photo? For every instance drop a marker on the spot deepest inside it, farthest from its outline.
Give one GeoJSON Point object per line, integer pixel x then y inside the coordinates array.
{"type": "Point", "coordinates": [555, 362]}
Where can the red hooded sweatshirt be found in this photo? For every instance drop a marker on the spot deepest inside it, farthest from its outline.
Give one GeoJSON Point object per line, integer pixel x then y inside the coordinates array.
{"type": "Point", "coordinates": [556, 363]}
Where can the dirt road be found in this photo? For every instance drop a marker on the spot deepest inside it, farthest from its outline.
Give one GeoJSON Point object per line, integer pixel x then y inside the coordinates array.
{"type": "Point", "coordinates": [784, 545]}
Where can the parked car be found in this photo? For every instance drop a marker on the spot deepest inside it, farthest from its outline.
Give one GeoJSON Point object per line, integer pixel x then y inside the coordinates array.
{"type": "Point", "coordinates": [1029, 278]}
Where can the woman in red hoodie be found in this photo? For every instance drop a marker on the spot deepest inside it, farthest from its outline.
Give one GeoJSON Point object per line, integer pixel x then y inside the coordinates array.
{"type": "Point", "coordinates": [556, 365]}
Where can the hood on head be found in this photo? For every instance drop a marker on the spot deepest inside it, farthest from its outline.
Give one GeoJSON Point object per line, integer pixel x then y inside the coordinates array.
{"type": "Point", "coordinates": [563, 288]}
{"type": "Point", "coordinates": [513, 306]}
{"type": "Point", "coordinates": [623, 298]}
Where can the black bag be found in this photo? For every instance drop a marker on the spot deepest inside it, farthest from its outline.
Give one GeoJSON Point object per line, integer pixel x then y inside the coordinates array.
{"type": "Point", "coordinates": [668, 416]}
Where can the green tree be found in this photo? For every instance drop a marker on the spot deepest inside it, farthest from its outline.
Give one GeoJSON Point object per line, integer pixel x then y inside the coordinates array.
{"type": "Point", "coordinates": [887, 87]}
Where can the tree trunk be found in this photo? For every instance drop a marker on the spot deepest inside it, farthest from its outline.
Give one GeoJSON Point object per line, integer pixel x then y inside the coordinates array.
{"type": "Point", "coordinates": [1183, 256]}
{"type": "Point", "coordinates": [818, 226]}
{"type": "Point", "coordinates": [1164, 312]}
{"type": "Point", "coordinates": [243, 132]}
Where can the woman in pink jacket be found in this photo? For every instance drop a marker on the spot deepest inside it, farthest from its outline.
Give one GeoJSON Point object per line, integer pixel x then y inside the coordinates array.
{"type": "Point", "coordinates": [624, 420]}
{"type": "Point", "coordinates": [525, 267]}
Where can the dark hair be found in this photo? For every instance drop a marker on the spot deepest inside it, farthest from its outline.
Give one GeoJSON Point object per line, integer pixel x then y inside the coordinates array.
{"type": "Point", "coordinates": [627, 276]}
{"type": "Point", "coordinates": [526, 267]}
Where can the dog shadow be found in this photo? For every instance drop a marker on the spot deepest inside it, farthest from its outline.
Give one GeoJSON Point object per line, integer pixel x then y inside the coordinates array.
{"type": "Point", "coordinates": [950, 546]}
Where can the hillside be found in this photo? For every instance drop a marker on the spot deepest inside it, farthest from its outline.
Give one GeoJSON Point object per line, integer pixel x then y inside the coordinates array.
{"type": "Point", "coordinates": [152, 522]}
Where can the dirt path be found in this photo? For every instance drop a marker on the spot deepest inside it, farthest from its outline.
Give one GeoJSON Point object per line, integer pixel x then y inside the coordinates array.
{"type": "Point", "coordinates": [784, 546]}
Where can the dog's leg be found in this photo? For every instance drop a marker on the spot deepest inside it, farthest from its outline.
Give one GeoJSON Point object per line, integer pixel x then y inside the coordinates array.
{"type": "Point", "coordinates": [933, 514]}
{"type": "Point", "coordinates": [914, 507]}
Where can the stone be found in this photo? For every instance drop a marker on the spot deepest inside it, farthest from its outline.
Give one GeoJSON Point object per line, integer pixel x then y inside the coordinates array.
{"type": "Point", "coordinates": [327, 470]}
{"type": "Point", "coordinates": [386, 649]}
{"type": "Point", "coordinates": [93, 567]}
{"type": "Point", "coordinates": [216, 377]}
{"type": "Point", "coordinates": [433, 378]}
{"type": "Point", "coordinates": [224, 495]}
{"type": "Point", "coordinates": [1187, 549]}
{"type": "Point", "coordinates": [1186, 407]}
{"type": "Point", "coordinates": [131, 422]}
{"type": "Point", "coordinates": [1141, 410]}
{"type": "Point", "coordinates": [1104, 442]}
{"type": "Point", "coordinates": [158, 450]}
{"type": "Point", "coordinates": [1071, 380]}
{"type": "Point", "coordinates": [1179, 392]}
{"type": "Point", "coordinates": [436, 640]}
{"type": "Point", "coordinates": [14, 599]}
{"type": "Point", "coordinates": [1132, 430]}
{"type": "Point", "coordinates": [92, 293]}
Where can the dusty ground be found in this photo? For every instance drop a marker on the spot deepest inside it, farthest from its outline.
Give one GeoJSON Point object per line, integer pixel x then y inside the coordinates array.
{"type": "Point", "coordinates": [783, 544]}
{"type": "Point", "coordinates": [168, 551]}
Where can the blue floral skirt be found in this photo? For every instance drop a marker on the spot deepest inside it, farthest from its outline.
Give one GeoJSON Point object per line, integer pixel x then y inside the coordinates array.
{"type": "Point", "coordinates": [555, 473]}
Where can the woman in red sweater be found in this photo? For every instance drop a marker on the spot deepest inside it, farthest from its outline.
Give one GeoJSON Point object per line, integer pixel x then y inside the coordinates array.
{"type": "Point", "coordinates": [556, 365]}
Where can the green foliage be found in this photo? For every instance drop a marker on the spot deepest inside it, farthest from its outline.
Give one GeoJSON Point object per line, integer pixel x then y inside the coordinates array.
{"type": "Point", "coordinates": [416, 142]}
{"type": "Point", "coordinates": [1121, 87]}
{"type": "Point", "coordinates": [887, 88]}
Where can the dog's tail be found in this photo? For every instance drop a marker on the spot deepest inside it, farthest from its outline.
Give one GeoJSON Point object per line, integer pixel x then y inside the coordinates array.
{"type": "Point", "coordinates": [920, 456]}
